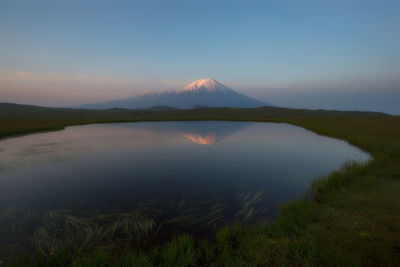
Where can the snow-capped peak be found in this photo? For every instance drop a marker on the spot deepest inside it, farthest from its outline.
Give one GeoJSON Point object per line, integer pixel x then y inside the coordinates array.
{"type": "Point", "coordinates": [204, 92]}
{"type": "Point", "coordinates": [205, 84]}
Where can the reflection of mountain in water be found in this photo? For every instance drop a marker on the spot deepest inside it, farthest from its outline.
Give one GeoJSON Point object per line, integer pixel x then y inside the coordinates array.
{"type": "Point", "coordinates": [76, 141]}
{"type": "Point", "coordinates": [199, 132]}
{"type": "Point", "coordinates": [208, 139]}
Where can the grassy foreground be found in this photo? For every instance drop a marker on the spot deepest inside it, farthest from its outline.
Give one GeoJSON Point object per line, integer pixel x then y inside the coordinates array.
{"type": "Point", "coordinates": [351, 218]}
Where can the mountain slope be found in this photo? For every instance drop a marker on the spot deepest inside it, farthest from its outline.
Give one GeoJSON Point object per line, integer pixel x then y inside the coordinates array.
{"type": "Point", "coordinates": [205, 92]}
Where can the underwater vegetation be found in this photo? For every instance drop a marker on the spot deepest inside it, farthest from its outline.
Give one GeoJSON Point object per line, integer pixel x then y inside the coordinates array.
{"type": "Point", "coordinates": [249, 207]}
{"type": "Point", "coordinates": [76, 232]}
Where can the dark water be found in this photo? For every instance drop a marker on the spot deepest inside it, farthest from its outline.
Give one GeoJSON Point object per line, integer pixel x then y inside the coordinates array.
{"type": "Point", "coordinates": [170, 176]}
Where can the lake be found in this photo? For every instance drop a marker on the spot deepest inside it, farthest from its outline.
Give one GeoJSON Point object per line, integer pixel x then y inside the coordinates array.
{"type": "Point", "coordinates": [154, 179]}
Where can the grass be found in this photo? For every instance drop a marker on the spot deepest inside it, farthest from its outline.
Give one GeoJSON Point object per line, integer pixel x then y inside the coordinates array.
{"type": "Point", "coordinates": [349, 218]}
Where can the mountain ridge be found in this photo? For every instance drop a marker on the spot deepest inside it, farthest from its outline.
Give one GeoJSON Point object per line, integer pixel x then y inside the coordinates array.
{"type": "Point", "coordinates": [204, 92]}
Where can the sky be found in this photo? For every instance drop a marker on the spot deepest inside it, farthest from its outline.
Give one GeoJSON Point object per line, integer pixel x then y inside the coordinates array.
{"type": "Point", "coordinates": [339, 54]}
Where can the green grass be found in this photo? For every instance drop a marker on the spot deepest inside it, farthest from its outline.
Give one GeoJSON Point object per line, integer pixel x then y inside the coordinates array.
{"type": "Point", "coordinates": [349, 218]}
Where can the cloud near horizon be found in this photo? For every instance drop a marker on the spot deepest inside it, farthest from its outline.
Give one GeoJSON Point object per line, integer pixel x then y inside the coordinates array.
{"type": "Point", "coordinates": [60, 89]}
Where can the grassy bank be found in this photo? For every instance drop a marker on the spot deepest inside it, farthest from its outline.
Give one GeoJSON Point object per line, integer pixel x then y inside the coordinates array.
{"type": "Point", "coordinates": [351, 218]}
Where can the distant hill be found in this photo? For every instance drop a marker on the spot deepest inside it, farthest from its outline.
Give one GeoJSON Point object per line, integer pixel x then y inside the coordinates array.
{"type": "Point", "coordinates": [205, 93]}
{"type": "Point", "coordinates": [20, 119]}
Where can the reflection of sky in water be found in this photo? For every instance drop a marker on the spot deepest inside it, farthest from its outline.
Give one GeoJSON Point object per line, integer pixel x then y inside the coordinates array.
{"type": "Point", "coordinates": [77, 140]}
{"type": "Point", "coordinates": [69, 143]}
{"type": "Point", "coordinates": [240, 169]}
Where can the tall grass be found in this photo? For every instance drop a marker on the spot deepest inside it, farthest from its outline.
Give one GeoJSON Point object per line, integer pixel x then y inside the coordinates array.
{"type": "Point", "coordinates": [337, 180]}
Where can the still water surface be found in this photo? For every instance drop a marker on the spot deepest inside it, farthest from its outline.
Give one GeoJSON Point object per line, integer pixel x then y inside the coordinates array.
{"type": "Point", "coordinates": [174, 176]}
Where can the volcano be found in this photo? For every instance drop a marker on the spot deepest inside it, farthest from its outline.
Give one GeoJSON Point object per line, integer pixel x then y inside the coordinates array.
{"type": "Point", "coordinates": [201, 93]}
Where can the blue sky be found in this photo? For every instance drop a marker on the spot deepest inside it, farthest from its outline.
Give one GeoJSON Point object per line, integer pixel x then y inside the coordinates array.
{"type": "Point", "coordinates": [67, 52]}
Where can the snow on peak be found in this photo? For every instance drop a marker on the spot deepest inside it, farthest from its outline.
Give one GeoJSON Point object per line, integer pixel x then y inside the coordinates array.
{"type": "Point", "coordinates": [205, 84]}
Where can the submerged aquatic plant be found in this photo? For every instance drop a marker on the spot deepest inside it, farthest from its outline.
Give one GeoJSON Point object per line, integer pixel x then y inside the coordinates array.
{"type": "Point", "coordinates": [77, 231]}
{"type": "Point", "coordinates": [249, 206]}
{"type": "Point", "coordinates": [192, 214]}
{"type": "Point", "coordinates": [53, 232]}
{"type": "Point", "coordinates": [132, 227]}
